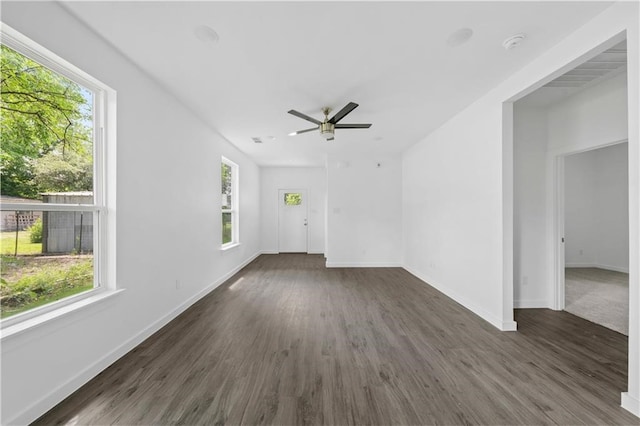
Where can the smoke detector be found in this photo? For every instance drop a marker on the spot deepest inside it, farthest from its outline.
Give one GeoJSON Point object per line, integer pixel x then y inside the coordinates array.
{"type": "Point", "coordinates": [513, 41]}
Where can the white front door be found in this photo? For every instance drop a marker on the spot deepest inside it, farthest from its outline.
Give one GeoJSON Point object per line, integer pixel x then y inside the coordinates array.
{"type": "Point", "coordinates": [292, 220]}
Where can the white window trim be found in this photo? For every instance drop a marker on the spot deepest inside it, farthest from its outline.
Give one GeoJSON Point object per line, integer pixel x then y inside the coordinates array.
{"type": "Point", "coordinates": [235, 216]}
{"type": "Point", "coordinates": [104, 159]}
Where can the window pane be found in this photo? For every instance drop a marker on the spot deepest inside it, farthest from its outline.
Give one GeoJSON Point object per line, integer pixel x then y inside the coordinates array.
{"type": "Point", "coordinates": [227, 234]}
{"type": "Point", "coordinates": [226, 186]}
{"type": "Point", "coordinates": [47, 153]}
{"type": "Point", "coordinates": [46, 256]}
{"type": "Point", "coordinates": [47, 130]}
{"type": "Point", "coordinates": [292, 199]}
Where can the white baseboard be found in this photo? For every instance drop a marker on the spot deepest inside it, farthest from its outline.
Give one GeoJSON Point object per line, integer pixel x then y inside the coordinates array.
{"type": "Point", "coordinates": [363, 265]}
{"type": "Point", "coordinates": [277, 252]}
{"type": "Point", "coordinates": [530, 304]}
{"type": "Point", "coordinates": [599, 266]}
{"type": "Point", "coordinates": [630, 404]}
{"type": "Point", "coordinates": [498, 323]}
{"type": "Point", "coordinates": [579, 265]}
{"type": "Point", "coordinates": [612, 268]}
{"type": "Point", "coordinates": [38, 408]}
{"type": "Point", "coordinates": [508, 326]}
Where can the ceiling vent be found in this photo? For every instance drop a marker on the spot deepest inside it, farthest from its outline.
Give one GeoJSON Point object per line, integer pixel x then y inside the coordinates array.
{"type": "Point", "coordinates": [606, 64]}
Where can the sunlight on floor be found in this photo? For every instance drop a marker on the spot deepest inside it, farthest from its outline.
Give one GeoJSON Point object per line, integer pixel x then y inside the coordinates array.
{"type": "Point", "coordinates": [235, 284]}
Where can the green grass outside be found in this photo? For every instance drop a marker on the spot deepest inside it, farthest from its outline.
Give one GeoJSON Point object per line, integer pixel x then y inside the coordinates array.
{"type": "Point", "coordinates": [32, 281]}
{"type": "Point", "coordinates": [226, 233]}
{"type": "Point", "coordinates": [9, 311]}
{"type": "Point", "coordinates": [25, 246]}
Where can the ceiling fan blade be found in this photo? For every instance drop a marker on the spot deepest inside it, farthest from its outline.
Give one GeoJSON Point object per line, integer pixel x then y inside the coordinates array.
{"type": "Point", "coordinates": [303, 131]}
{"type": "Point", "coordinates": [304, 117]}
{"type": "Point", "coordinates": [353, 126]}
{"type": "Point", "coordinates": [344, 111]}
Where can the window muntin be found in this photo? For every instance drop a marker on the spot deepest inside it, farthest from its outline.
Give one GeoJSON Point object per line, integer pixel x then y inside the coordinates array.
{"type": "Point", "coordinates": [229, 202]}
{"type": "Point", "coordinates": [70, 205]}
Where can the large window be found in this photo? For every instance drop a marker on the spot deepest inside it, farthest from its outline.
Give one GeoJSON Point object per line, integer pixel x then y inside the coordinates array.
{"type": "Point", "coordinates": [229, 187]}
{"type": "Point", "coordinates": [53, 222]}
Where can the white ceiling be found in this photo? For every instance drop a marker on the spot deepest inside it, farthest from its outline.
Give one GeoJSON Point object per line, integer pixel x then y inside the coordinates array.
{"type": "Point", "coordinates": [392, 58]}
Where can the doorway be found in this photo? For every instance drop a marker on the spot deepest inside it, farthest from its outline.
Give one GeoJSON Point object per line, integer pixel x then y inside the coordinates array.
{"type": "Point", "coordinates": [292, 221]}
{"type": "Point", "coordinates": [542, 252]}
{"type": "Point", "coordinates": [594, 213]}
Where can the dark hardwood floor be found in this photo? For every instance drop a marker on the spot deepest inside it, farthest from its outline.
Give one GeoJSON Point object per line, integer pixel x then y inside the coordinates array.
{"type": "Point", "coordinates": [287, 341]}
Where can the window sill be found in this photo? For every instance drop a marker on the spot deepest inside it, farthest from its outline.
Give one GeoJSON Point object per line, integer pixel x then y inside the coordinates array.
{"type": "Point", "coordinates": [31, 323]}
{"type": "Point", "coordinates": [229, 246]}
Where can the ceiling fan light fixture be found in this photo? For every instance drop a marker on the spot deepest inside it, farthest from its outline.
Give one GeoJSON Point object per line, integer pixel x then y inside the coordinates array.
{"type": "Point", "coordinates": [328, 135]}
{"type": "Point", "coordinates": [327, 130]}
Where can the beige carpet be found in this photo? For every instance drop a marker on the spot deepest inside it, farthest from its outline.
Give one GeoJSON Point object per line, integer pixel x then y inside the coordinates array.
{"type": "Point", "coordinates": [599, 296]}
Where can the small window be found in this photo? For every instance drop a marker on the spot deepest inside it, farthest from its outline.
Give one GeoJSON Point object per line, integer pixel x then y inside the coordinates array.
{"type": "Point", "coordinates": [229, 202]}
{"type": "Point", "coordinates": [292, 199]}
{"type": "Point", "coordinates": [52, 186]}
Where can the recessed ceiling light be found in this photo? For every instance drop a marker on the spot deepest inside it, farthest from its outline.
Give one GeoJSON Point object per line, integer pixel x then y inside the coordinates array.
{"type": "Point", "coordinates": [459, 37]}
{"type": "Point", "coordinates": [207, 34]}
{"type": "Point", "coordinates": [513, 41]}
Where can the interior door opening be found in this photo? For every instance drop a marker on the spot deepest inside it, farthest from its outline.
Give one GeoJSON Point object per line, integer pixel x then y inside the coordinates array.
{"type": "Point", "coordinates": [595, 217]}
{"type": "Point", "coordinates": [563, 114]}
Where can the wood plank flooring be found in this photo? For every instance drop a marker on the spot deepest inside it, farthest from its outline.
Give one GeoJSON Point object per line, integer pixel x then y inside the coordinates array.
{"type": "Point", "coordinates": [287, 341]}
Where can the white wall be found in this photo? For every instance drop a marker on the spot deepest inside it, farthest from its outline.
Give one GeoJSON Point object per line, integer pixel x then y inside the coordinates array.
{"type": "Point", "coordinates": [364, 211]}
{"type": "Point", "coordinates": [592, 117]}
{"type": "Point", "coordinates": [168, 201]}
{"type": "Point", "coordinates": [529, 216]}
{"type": "Point", "coordinates": [314, 180]}
{"type": "Point", "coordinates": [581, 213]}
{"type": "Point", "coordinates": [452, 205]}
{"type": "Point", "coordinates": [613, 188]}
{"type": "Point", "coordinates": [458, 187]}
{"type": "Point", "coordinates": [597, 209]}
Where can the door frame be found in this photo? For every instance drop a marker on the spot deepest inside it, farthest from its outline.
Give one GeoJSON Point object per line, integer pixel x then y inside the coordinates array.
{"type": "Point", "coordinates": [306, 208]}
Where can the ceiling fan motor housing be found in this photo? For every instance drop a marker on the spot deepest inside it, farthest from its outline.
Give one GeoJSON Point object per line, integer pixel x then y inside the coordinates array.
{"type": "Point", "coordinates": [327, 130]}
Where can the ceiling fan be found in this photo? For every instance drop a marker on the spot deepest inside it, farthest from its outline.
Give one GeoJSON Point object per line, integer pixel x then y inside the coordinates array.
{"type": "Point", "coordinates": [328, 126]}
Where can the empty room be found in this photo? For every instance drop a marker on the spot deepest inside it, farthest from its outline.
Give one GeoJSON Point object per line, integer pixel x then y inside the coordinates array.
{"type": "Point", "coordinates": [320, 212]}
